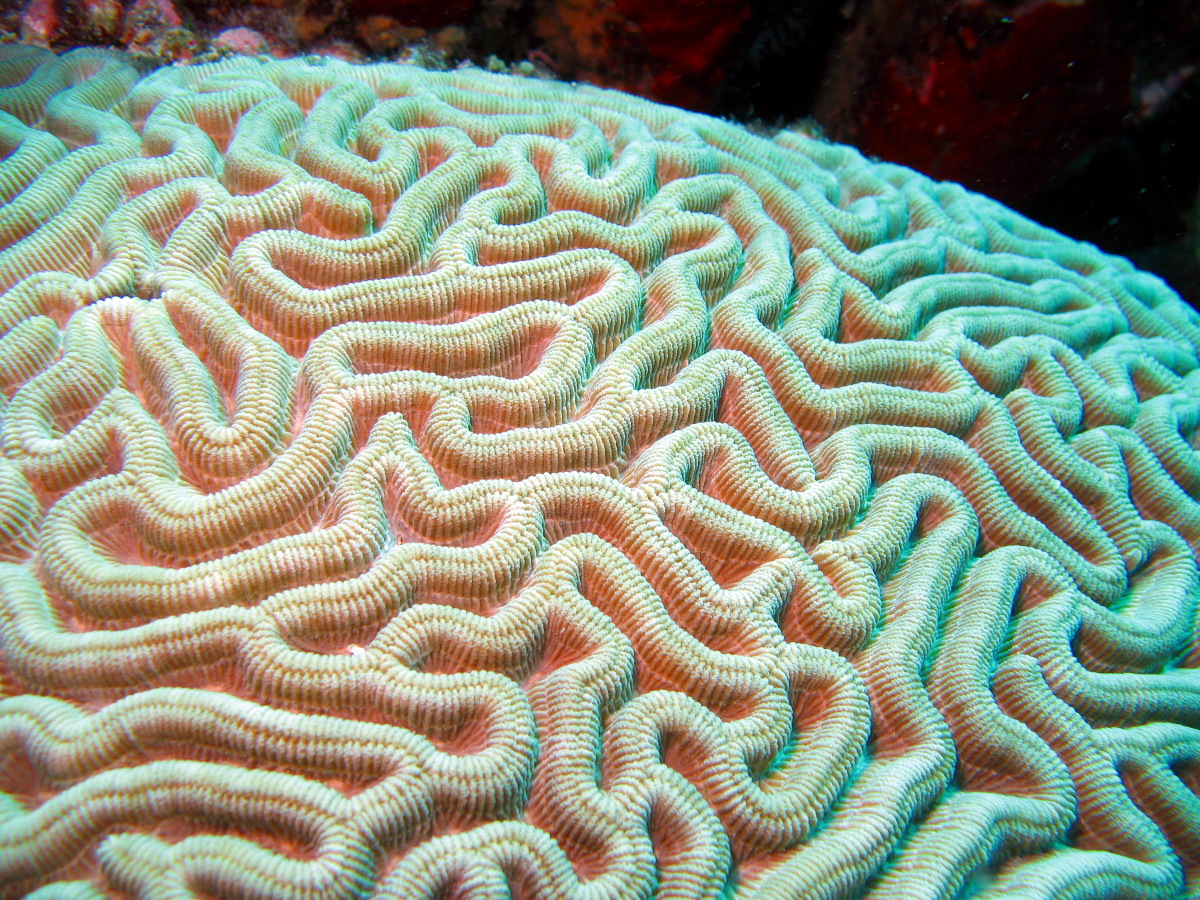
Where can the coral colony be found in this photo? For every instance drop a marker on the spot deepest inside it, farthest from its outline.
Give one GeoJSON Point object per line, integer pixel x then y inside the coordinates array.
{"type": "Point", "coordinates": [426, 485]}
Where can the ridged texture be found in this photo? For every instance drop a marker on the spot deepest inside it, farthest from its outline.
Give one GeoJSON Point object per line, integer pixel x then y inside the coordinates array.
{"type": "Point", "coordinates": [428, 485]}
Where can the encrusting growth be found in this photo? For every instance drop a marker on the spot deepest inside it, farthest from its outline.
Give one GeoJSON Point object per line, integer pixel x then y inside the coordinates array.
{"type": "Point", "coordinates": [423, 484]}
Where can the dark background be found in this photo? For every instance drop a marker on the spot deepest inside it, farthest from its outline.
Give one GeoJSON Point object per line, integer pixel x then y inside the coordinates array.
{"type": "Point", "coordinates": [1083, 114]}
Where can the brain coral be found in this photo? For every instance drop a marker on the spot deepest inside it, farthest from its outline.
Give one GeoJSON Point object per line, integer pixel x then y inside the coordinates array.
{"type": "Point", "coordinates": [427, 485]}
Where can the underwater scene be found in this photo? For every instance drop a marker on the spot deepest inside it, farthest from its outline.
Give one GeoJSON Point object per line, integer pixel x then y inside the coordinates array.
{"type": "Point", "coordinates": [599, 449]}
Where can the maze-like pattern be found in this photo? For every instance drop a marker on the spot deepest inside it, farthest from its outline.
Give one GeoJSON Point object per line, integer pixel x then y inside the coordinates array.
{"type": "Point", "coordinates": [424, 485]}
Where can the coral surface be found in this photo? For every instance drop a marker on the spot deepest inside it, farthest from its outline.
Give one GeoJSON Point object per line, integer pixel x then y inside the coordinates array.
{"type": "Point", "coordinates": [455, 485]}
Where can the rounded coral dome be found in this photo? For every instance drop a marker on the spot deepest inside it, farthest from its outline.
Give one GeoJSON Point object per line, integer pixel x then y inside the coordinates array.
{"type": "Point", "coordinates": [449, 485]}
